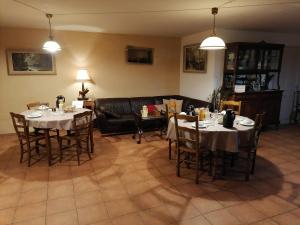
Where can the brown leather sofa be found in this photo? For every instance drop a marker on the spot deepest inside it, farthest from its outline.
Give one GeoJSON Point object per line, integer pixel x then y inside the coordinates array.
{"type": "Point", "coordinates": [117, 115]}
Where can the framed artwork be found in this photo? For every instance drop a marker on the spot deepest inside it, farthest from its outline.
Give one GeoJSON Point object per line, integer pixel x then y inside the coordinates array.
{"type": "Point", "coordinates": [194, 59]}
{"type": "Point", "coordinates": [139, 55]}
{"type": "Point", "coordinates": [30, 62]}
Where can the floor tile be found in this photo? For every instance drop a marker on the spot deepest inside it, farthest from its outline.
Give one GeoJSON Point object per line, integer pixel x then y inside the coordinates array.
{"type": "Point", "coordinates": [60, 205]}
{"type": "Point", "coordinates": [92, 214]}
{"type": "Point", "coordinates": [64, 218]}
{"type": "Point", "coordinates": [132, 219]}
{"type": "Point", "coordinates": [6, 216]}
{"type": "Point", "coordinates": [120, 207]}
{"type": "Point", "coordinates": [31, 211]}
{"type": "Point", "coordinates": [221, 217]}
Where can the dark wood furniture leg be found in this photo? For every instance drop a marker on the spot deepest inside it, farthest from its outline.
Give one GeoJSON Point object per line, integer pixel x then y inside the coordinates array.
{"type": "Point", "coordinates": [48, 145]}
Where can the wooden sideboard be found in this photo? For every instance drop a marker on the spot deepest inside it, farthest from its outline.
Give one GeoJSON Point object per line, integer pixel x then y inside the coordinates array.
{"type": "Point", "coordinates": [262, 101]}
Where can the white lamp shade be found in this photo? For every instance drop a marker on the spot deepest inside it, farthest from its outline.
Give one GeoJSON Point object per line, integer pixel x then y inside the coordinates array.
{"type": "Point", "coordinates": [82, 75]}
{"type": "Point", "coordinates": [212, 43]}
{"type": "Point", "coordinates": [51, 46]}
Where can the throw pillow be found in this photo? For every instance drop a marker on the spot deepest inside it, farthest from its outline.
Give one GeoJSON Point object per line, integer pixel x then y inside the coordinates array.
{"type": "Point", "coordinates": [160, 107]}
{"type": "Point", "coordinates": [178, 105]}
{"type": "Point", "coordinates": [151, 108]}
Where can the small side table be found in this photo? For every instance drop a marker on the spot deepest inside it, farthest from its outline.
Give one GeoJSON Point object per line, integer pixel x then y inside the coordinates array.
{"type": "Point", "coordinates": [89, 104]}
{"type": "Point", "coordinates": [140, 122]}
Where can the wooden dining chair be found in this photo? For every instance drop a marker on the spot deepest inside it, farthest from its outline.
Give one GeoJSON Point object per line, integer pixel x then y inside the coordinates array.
{"type": "Point", "coordinates": [80, 136]}
{"type": "Point", "coordinates": [33, 105]}
{"type": "Point", "coordinates": [234, 105]}
{"type": "Point", "coordinates": [28, 140]}
{"type": "Point", "coordinates": [188, 145]}
{"type": "Point", "coordinates": [251, 148]}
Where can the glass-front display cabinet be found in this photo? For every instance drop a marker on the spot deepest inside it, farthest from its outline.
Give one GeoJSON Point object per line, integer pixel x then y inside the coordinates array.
{"type": "Point", "coordinates": [251, 75]}
{"type": "Point", "coordinates": [254, 65]}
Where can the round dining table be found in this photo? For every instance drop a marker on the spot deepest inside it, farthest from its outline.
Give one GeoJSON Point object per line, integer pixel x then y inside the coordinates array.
{"type": "Point", "coordinates": [47, 119]}
{"type": "Point", "coordinates": [216, 137]}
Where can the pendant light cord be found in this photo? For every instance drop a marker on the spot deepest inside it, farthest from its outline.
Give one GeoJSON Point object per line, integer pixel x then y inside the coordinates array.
{"type": "Point", "coordinates": [49, 16]}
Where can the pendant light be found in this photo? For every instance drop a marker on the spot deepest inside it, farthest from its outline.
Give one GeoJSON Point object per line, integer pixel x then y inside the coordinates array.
{"type": "Point", "coordinates": [213, 42]}
{"type": "Point", "coordinates": [51, 45]}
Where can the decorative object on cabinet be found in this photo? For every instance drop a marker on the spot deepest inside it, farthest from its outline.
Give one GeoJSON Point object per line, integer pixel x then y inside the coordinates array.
{"type": "Point", "coordinates": [194, 59]}
{"type": "Point", "coordinates": [257, 66]}
{"type": "Point", "coordinates": [213, 42]}
{"type": "Point", "coordinates": [139, 55]}
{"type": "Point", "coordinates": [82, 75]}
{"type": "Point", "coordinates": [30, 62]}
{"type": "Point", "coordinates": [51, 45]}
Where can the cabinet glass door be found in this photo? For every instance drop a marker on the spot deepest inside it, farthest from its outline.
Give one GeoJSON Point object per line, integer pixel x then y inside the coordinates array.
{"type": "Point", "coordinates": [271, 59]}
{"type": "Point", "coordinates": [247, 59]}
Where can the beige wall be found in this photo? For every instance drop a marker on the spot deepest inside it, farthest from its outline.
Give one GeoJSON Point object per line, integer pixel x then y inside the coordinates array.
{"type": "Point", "coordinates": [102, 54]}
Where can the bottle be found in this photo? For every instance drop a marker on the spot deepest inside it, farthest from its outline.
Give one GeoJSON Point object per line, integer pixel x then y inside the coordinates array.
{"type": "Point", "coordinates": [60, 105]}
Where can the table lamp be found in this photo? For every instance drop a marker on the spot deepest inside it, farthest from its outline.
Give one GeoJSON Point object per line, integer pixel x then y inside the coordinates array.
{"type": "Point", "coordinates": [82, 75]}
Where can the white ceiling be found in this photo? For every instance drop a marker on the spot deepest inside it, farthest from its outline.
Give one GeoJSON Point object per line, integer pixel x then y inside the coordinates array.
{"type": "Point", "coordinates": [153, 17]}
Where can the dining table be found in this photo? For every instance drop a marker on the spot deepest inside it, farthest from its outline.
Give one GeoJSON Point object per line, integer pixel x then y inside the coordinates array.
{"type": "Point", "coordinates": [213, 136]}
{"type": "Point", "coordinates": [47, 119]}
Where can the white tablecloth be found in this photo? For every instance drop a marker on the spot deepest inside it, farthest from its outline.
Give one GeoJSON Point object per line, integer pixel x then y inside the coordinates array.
{"type": "Point", "coordinates": [56, 120]}
{"type": "Point", "coordinates": [217, 137]}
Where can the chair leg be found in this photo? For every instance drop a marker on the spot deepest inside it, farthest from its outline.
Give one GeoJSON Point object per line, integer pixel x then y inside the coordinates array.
{"type": "Point", "coordinates": [60, 150]}
{"type": "Point", "coordinates": [210, 163]}
{"type": "Point", "coordinates": [92, 140]}
{"type": "Point", "coordinates": [57, 135]}
{"type": "Point", "coordinates": [88, 147]}
{"type": "Point", "coordinates": [21, 152]}
{"type": "Point", "coordinates": [197, 168]}
{"type": "Point", "coordinates": [78, 152]}
{"type": "Point", "coordinates": [253, 162]}
{"type": "Point", "coordinates": [178, 163]}
{"type": "Point", "coordinates": [29, 153]}
{"type": "Point", "coordinates": [247, 175]}
{"type": "Point", "coordinates": [224, 163]}
{"type": "Point", "coordinates": [214, 166]}
{"type": "Point", "coordinates": [170, 149]}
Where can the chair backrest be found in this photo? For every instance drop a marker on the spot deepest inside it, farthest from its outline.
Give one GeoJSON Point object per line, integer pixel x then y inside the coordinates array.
{"type": "Point", "coordinates": [78, 104]}
{"type": "Point", "coordinates": [82, 123]}
{"type": "Point", "coordinates": [234, 105]}
{"type": "Point", "coordinates": [187, 137]}
{"type": "Point", "coordinates": [36, 104]}
{"type": "Point", "coordinates": [20, 125]}
{"type": "Point", "coordinates": [259, 119]}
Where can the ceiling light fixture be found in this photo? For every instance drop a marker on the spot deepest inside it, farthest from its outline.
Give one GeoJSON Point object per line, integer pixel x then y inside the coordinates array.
{"type": "Point", "coordinates": [213, 42]}
{"type": "Point", "coordinates": [51, 45]}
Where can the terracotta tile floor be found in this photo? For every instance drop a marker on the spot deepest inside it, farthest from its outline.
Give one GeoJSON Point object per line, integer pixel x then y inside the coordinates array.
{"type": "Point", "coordinates": [127, 183]}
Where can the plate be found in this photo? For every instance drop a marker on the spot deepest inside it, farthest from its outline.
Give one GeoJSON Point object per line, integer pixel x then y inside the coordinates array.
{"type": "Point", "coordinates": [247, 123]}
{"type": "Point", "coordinates": [43, 107]}
{"type": "Point", "coordinates": [200, 126]}
{"type": "Point", "coordinates": [34, 115]}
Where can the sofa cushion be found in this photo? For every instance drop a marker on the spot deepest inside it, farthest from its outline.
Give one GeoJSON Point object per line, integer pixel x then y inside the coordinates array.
{"type": "Point", "coordinates": [115, 105]}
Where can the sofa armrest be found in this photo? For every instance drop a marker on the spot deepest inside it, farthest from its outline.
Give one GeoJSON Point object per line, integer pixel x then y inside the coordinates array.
{"type": "Point", "coordinates": [100, 114]}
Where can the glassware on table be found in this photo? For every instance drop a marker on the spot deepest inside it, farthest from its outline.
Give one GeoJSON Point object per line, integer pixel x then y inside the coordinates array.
{"type": "Point", "coordinates": [214, 117]}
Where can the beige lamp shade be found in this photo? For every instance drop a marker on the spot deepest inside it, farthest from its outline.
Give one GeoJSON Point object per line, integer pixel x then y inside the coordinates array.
{"type": "Point", "coordinates": [82, 75]}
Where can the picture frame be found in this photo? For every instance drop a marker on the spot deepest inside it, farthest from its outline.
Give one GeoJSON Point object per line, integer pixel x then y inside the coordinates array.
{"type": "Point", "coordinates": [194, 59]}
{"type": "Point", "coordinates": [30, 62]}
{"type": "Point", "coordinates": [139, 55]}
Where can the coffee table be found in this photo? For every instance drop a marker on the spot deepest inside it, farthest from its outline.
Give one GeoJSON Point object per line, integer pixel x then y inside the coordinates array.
{"type": "Point", "coordinates": [142, 122]}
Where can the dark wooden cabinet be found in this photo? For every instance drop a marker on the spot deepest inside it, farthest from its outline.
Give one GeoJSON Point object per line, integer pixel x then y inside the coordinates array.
{"type": "Point", "coordinates": [258, 102]}
{"type": "Point", "coordinates": [252, 67]}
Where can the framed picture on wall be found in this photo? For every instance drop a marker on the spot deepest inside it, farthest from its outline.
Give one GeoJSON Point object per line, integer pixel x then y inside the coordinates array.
{"type": "Point", "coordinates": [30, 62]}
{"type": "Point", "coordinates": [194, 59]}
{"type": "Point", "coordinates": [139, 55]}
